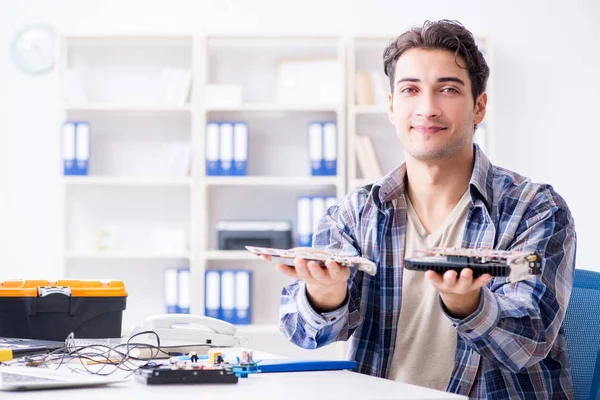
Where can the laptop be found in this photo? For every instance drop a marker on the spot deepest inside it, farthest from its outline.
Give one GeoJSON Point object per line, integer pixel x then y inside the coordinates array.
{"type": "Point", "coordinates": [33, 378]}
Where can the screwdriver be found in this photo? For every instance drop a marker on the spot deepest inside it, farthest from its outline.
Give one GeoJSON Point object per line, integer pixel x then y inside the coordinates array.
{"type": "Point", "coordinates": [9, 354]}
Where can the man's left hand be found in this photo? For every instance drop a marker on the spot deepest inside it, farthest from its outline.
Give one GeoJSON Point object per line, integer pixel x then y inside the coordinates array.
{"type": "Point", "coordinates": [461, 295]}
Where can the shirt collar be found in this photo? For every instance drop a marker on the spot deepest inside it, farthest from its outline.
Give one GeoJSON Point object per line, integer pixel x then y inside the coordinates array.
{"type": "Point", "coordinates": [393, 184]}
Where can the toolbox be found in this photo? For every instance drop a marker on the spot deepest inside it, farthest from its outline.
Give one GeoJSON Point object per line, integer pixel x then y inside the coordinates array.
{"type": "Point", "coordinates": [41, 309]}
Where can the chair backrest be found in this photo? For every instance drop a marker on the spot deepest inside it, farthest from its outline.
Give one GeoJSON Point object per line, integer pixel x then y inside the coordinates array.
{"type": "Point", "coordinates": [582, 329]}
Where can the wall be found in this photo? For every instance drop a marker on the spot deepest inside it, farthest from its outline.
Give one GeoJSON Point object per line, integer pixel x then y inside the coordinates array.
{"type": "Point", "coordinates": [546, 62]}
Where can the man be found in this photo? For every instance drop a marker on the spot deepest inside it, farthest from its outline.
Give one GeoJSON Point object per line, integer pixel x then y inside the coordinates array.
{"type": "Point", "coordinates": [484, 337]}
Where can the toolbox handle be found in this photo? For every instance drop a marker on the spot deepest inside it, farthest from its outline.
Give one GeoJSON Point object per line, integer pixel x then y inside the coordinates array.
{"type": "Point", "coordinates": [44, 291]}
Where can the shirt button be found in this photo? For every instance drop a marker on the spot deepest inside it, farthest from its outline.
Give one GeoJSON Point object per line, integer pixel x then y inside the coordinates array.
{"type": "Point", "coordinates": [333, 319]}
{"type": "Point", "coordinates": [469, 331]}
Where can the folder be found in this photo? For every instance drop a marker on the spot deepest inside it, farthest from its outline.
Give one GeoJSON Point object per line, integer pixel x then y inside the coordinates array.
{"type": "Point", "coordinates": [315, 148]}
{"type": "Point", "coordinates": [212, 149]}
{"type": "Point", "coordinates": [304, 222]}
{"type": "Point", "coordinates": [171, 277]}
{"type": "Point", "coordinates": [240, 149]}
{"type": "Point", "coordinates": [82, 147]}
{"type": "Point", "coordinates": [242, 297]}
{"type": "Point", "coordinates": [212, 294]}
{"type": "Point", "coordinates": [329, 149]}
{"type": "Point", "coordinates": [68, 147]}
{"type": "Point", "coordinates": [226, 148]}
{"type": "Point", "coordinates": [318, 210]}
{"type": "Point", "coordinates": [290, 365]}
{"type": "Point", "coordinates": [227, 296]}
{"type": "Point", "coordinates": [183, 291]}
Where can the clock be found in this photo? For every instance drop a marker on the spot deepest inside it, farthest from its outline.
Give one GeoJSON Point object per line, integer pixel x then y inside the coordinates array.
{"type": "Point", "coordinates": [33, 49]}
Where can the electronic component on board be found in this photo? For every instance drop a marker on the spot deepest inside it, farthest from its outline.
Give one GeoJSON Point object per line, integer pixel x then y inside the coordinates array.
{"type": "Point", "coordinates": [515, 265]}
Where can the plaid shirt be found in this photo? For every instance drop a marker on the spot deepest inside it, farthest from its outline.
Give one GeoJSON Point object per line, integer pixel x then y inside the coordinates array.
{"type": "Point", "coordinates": [513, 345]}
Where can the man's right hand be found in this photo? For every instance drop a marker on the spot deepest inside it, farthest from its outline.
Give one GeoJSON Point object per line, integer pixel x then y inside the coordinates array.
{"type": "Point", "coordinates": [326, 288]}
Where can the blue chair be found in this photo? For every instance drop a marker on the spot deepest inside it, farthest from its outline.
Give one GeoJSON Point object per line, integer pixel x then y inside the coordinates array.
{"type": "Point", "coordinates": [582, 329]}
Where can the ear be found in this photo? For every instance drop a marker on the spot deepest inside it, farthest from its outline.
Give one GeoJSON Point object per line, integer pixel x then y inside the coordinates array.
{"type": "Point", "coordinates": [480, 108]}
{"type": "Point", "coordinates": [390, 108]}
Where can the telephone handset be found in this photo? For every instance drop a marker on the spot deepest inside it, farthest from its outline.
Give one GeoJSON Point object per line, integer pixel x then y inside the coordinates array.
{"type": "Point", "coordinates": [186, 329]}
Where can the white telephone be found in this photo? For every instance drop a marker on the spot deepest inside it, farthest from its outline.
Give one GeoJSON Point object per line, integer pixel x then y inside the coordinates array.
{"type": "Point", "coordinates": [186, 329]}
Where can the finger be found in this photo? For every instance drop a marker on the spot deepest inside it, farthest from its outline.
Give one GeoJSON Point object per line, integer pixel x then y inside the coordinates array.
{"type": "Point", "coordinates": [265, 257]}
{"type": "Point", "coordinates": [482, 280]}
{"type": "Point", "coordinates": [450, 278]}
{"type": "Point", "coordinates": [435, 278]}
{"type": "Point", "coordinates": [337, 272]}
{"type": "Point", "coordinates": [318, 272]}
{"type": "Point", "coordinates": [287, 270]}
{"type": "Point", "coordinates": [465, 281]}
{"type": "Point", "coordinates": [302, 271]}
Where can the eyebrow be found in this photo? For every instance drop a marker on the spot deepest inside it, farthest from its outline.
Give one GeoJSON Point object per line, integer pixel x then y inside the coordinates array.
{"type": "Point", "coordinates": [441, 80]}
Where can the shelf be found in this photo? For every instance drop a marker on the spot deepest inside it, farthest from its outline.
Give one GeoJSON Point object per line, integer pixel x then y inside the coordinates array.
{"type": "Point", "coordinates": [370, 109]}
{"type": "Point", "coordinates": [124, 181]}
{"type": "Point", "coordinates": [230, 255]}
{"type": "Point", "coordinates": [272, 181]}
{"type": "Point", "coordinates": [125, 255]}
{"type": "Point", "coordinates": [277, 107]}
{"type": "Point", "coordinates": [116, 107]}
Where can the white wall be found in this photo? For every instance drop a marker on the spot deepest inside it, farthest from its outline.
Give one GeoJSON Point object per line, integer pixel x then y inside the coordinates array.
{"type": "Point", "coordinates": [545, 101]}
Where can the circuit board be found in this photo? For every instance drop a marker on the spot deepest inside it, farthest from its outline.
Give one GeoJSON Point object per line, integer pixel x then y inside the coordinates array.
{"type": "Point", "coordinates": [287, 257]}
{"type": "Point", "coordinates": [165, 375]}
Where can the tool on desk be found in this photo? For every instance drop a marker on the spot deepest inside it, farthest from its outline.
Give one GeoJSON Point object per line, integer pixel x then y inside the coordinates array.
{"type": "Point", "coordinates": [9, 354]}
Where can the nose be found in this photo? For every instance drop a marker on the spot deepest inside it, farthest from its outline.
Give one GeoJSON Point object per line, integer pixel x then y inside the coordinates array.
{"type": "Point", "coordinates": [427, 106]}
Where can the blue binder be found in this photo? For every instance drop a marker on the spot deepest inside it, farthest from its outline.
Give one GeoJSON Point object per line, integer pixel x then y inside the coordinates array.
{"type": "Point", "coordinates": [329, 149]}
{"type": "Point", "coordinates": [212, 149]}
{"type": "Point", "coordinates": [82, 147]}
{"type": "Point", "coordinates": [228, 295]}
{"type": "Point", "coordinates": [240, 149]}
{"type": "Point", "coordinates": [304, 230]}
{"type": "Point", "coordinates": [212, 294]}
{"type": "Point", "coordinates": [226, 148]}
{"type": "Point", "coordinates": [287, 365]}
{"type": "Point", "coordinates": [315, 148]}
{"type": "Point", "coordinates": [68, 148]}
{"type": "Point", "coordinates": [243, 296]}
{"type": "Point", "coordinates": [183, 290]}
{"type": "Point", "coordinates": [171, 277]}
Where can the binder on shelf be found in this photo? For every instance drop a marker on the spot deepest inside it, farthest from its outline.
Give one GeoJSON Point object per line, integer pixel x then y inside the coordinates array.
{"type": "Point", "coordinates": [318, 210]}
{"type": "Point", "coordinates": [242, 297]}
{"type": "Point", "coordinates": [226, 148]}
{"type": "Point", "coordinates": [330, 201]}
{"type": "Point", "coordinates": [315, 148]}
{"type": "Point", "coordinates": [329, 149]}
{"type": "Point", "coordinates": [304, 222]}
{"type": "Point", "coordinates": [228, 296]}
{"type": "Point", "coordinates": [212, 149]}
{"type": "Point", "coordinates": [212, 294]}
{"type": "Point", "coordinates": [82, 147]}
{"type": "Point", "coordinates": [171, 278]}
{"type": "Point", "coordinates": [183, 291]}
{"type": "Point", "coordinates": [68, 148]}
{"type": "Point", "coordinates": [240, 149]}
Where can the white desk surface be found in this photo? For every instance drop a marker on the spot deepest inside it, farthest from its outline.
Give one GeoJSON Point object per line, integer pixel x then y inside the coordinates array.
{"type": "Point", "coordinates": [345, 385]}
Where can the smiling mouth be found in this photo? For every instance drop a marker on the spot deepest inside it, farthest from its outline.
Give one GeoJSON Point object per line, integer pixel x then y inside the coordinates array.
{"type": "Point", "coordinates": [428, 130]}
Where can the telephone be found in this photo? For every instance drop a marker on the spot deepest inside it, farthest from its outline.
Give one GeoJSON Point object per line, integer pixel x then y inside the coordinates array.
{"type": "Point", "coordinates": [186, 329]}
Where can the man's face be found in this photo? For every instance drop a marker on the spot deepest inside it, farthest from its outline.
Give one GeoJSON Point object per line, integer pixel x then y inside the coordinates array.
{"type": "Point", "coordinates": [432, 106]}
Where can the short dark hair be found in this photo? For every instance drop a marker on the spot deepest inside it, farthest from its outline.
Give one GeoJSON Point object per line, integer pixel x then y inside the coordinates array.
{"type": "Point", "coordinates": [440, 35]}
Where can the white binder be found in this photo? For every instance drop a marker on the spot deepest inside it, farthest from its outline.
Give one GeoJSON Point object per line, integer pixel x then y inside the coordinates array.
{"type": "Point", "coordinates": [82, 147]}
{"type": "Point", "coordinates": [68, 148]}
{"type": "Point", "coordinates": [183, 291]}
{"type": "Point", "coordinates": [226, 148]}
{"type": "Point", "coordinates": [304, 222]}
{"type": "Point", "coordinates": [242, 297]}
{"type": "Point", "coordinates": [228, 296]}
{"type": "Point", "coordinates": [315, 148]}
{"type": "Point", "coordinates": [330, 201]}
{"type": "Point", "coordinates": [170, 290]}
{"type": "Point", "coordinates": [212, 294]}
{"type": "Point", "coordinates": [240, 149]}
{"type": "Point", "coordinates": [318, 210]}
{"type": "Point", "coordinates": [212, 149]}
{"type": "Point", "coordinates": [329, 149]}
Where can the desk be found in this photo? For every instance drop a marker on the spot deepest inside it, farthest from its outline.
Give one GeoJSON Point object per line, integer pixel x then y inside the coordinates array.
{"type": "Point", "coordinates": [342, 385]}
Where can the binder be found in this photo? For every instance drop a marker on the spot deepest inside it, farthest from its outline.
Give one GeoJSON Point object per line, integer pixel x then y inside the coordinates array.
{"type": "Point", "coordinates": [212, 149]}
{"type": "Point", "coordinates": [240, 149]}
{"type": "Point", "coordinates": [226, 148]}
{"type": "Point", "coordinates": [82, 147]}
{"type": "Point", "coordinates": [183, 291]}
{"type": "Point", "coordinates": [171, 277]}
{"type": "Point", "coordinates": [329, 149]}
{"type": "Point", "coordinates": [315, 148]}
{"type": "Point", "coordinates": [212, 294]}
{"type": "Point", "coordinates": [318, 210]}
{"type": "Point", "coordinates": [304, 222]}
{"type": "Point", "coordinates": [228, 296]}
{"type": "Point", "coordinates": [330, 201]}
{"type": "Point", "coordinates": [68, 148]}
{"type": "Point", "coordinates": [242, 297]}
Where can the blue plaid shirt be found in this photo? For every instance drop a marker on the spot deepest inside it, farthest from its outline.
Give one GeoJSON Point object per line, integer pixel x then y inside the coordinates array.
{"type": "Point", "coordinates": [513, 345]}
